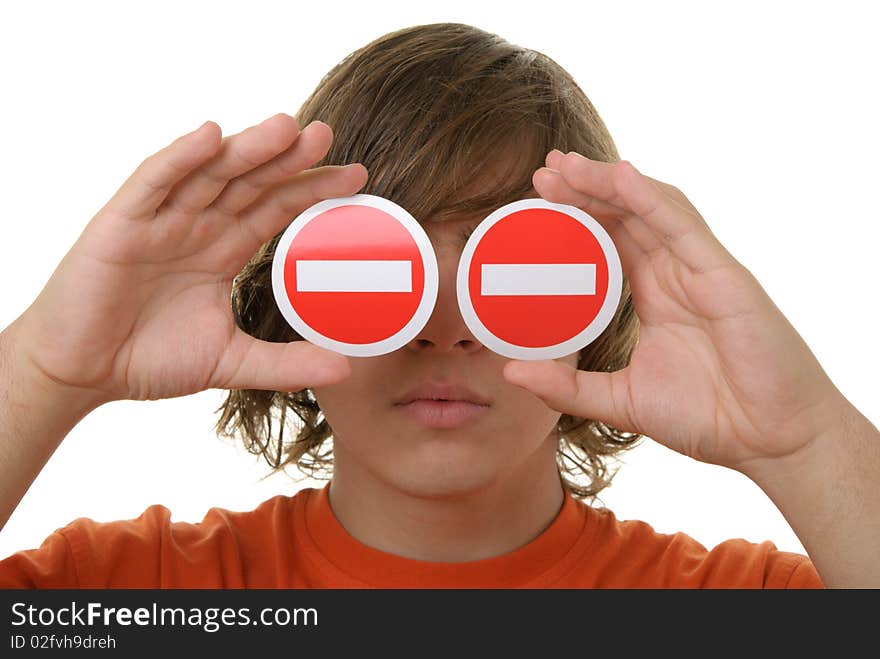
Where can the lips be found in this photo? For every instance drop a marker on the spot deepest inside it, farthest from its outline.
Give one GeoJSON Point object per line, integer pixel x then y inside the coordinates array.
{"type": "Point", "coordinates": [438, 391]}
{"type": "Point", "coordinates": [443, 405]}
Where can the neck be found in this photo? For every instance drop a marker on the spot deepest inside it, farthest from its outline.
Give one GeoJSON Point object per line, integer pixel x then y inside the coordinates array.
{"type": "Point", "coordinates": [465, 526]}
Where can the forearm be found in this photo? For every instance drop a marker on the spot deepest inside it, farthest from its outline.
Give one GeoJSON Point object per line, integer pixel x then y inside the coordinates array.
{"type": "Point", "coordinates": [830, 494]}
{"type": "Point", "coordinates": [36, 414]}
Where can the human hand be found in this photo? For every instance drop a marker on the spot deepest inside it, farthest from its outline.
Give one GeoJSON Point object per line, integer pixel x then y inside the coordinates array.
{"type": "Point", "coordinates": [718, 373]}
{"type": "Point", "coordinates": [139, 308]}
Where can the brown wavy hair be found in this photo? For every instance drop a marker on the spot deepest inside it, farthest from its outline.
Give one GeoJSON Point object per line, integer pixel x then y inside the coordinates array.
{"type": "Point", "coordinates": [427, 110]}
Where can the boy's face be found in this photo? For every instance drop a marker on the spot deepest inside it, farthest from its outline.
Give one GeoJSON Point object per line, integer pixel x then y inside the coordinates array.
{"type": "Point", "coordinates": [436, 449]}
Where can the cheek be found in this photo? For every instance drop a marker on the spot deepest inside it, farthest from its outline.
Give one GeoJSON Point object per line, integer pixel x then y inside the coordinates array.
{"type": "Point", "coordinates": [523, 415]}
{"type": "Point", "coordinates": [525, 410]}
{"type": "Point", "coordinates": [356, 396]}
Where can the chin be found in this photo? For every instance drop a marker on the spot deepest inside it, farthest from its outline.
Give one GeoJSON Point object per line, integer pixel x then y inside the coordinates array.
{"type": "Point", "coordinates": [443, 479]}
{"type": "Point", "coordinates": [442, 491]}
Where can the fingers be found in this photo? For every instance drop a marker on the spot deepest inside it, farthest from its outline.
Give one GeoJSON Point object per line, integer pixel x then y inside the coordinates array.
{"type": "Point", "coordinates": [652, 216]}
{"type": "Point", "coordinates": [145, 190]}
{"type": "Point", "coordinates": [237, 154]}
{"type": "Point", "coordinates": [586, 394]}
{"type": "Point", "coordinates": [250, 363]}
{"type": "Point", "coordinates": [595, 204]}
{"type": "Point", "coordinates": [310, 146]}
{"type": "Point", "coordinates": [681, 231]}
{"type": "Point", "coordinates": [552, 187]}
{"type": "Point", "coordinates": [198, 169]}
{"type": "Point", "coordinates": [633, 226]}
{"type": "Point", "coordinates": [279, 205]}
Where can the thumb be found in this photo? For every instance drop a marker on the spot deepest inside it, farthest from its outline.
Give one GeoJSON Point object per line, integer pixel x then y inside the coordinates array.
{"type": "Point", "coordinates": [250, 363]}
{"type": "Point", "coordinates": [587, 394]}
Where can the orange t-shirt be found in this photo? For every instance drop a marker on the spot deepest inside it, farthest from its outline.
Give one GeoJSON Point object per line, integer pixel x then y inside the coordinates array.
{"type": "Point", "coordinates": [297, 542]}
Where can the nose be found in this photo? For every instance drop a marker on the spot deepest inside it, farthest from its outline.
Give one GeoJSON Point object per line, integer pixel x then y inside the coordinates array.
{"type": "Point", "coordinates": [445, 331]}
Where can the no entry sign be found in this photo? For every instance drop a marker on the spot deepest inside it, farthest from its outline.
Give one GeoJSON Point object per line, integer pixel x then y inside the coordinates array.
{"type": "Point", "coordinates": [538, 280]}
{"type": "Point", "coordinates": [357, 275]}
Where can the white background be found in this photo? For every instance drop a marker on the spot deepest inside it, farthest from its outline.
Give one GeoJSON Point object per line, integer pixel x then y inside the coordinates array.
{"type": "Point", "coordinates": [764, 114]}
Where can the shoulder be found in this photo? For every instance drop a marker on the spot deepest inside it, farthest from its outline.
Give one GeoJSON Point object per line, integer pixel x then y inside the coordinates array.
{"type": "Point", "coordinates": [158, 519]}
{"type": "Point", "coordinates": [636, 552]}
{"type": "Point", "coordinates": [150, 550]}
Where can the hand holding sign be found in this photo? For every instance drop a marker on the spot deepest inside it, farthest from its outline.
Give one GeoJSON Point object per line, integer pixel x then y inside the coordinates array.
{"type": "Point", "coordinates": [139, 307]}
{"type": "Point", "coordinates": [718, 374]}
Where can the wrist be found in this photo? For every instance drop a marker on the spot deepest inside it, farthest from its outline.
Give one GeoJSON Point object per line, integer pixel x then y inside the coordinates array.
{"type": "Point", "coordinates": [835, 468]}
{"type": "Point", "coordinates": [36, 415]}
{"type": "Point", "coordinates": [33, 390]}
{"type": "Point", "coordinates": [818, 445]}
{"type": "Point", "coordinates": [827, 491]}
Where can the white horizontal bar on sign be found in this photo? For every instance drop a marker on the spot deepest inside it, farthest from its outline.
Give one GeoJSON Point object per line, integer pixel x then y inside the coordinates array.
{"type": "Point", "coordinates": [354, 276]}
{"type": "Point", "coordinates": [538, 279]}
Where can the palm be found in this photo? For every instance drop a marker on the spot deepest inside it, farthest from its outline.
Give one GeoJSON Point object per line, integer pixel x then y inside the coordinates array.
{"type": "Point", "coordinates": [162, 310]}
{"type": "Point", "coordinates": [177, 351]}
{"type": "Point", "coordinates": [728, 374]}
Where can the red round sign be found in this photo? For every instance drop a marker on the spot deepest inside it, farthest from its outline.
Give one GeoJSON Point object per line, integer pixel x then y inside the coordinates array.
{"type": "Point", "coordinates": [538, 280]}
{"type": "Point", "coordinates": [355, 274]}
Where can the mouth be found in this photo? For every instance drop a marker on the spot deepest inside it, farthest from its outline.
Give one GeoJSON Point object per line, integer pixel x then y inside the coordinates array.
{"type": "Point", "coordinates": [440, 413]}
{"type": "Point", "coordinates": [436, 404]}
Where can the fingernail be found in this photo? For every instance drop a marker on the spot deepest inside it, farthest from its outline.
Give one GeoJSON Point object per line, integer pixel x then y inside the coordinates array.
{"type": "Point", "coordinates": [553, 158]}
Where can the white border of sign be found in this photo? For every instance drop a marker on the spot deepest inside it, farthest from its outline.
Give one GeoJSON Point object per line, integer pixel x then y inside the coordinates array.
{"type": "Point", "coordinates": [429, 293]}
{"type": "Point", "coordinates": [572, 345]}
